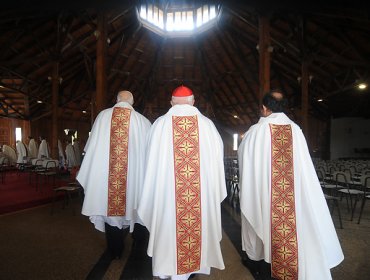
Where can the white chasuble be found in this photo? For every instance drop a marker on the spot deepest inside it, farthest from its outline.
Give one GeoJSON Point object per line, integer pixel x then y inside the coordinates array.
{"type": "Point", "coordinates": [10, 153]}
{"type": "Point", "coordinates": [114, 158]}
{"type": "Point", "coordinates": [32, 148]}
{"type": "Point", "coordinates": [71, 157]}
{"type": "Point", "coordinates": [21, 152]}
{"type": "Point", "coordinates": [284, 214]}
{"type": "Point", "coordinates": [43, 150]}
{"type": "Point", "coordinates": [62, 158]}
{"type": "Point", "coordinates": [183, 189]}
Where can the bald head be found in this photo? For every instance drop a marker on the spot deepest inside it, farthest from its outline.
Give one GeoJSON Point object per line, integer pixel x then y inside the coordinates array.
{"type": "Point", "coordinates": [274, 101]}
{"type": "Point", "coordinates": [277, 95]}
{"type": "Point", "coordinates": [125, 96]}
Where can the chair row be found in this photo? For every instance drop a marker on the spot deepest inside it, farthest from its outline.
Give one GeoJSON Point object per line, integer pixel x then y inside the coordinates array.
{"type": "Point", "coordinates": [342, 184]}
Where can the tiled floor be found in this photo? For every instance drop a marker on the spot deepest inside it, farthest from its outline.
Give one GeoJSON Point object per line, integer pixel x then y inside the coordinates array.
{"type": "Point", "coordinates": [37, 245]}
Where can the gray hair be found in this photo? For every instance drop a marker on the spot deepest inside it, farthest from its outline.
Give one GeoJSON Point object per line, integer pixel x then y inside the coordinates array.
{"type": "Point", "coordinates": [182, 100]}
{"type": "Point", "coordinates": [125, 96]}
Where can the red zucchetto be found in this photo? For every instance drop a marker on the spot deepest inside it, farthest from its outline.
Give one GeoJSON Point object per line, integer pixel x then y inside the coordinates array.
{"type": "Point", "coordinates": [182, 91]}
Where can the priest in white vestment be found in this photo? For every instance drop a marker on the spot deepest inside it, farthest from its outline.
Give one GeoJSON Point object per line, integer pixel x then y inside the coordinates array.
{"type": "Point", "coordinates": [71, 156]}
{"type": "Point", "coordinates": [183, 189]}
{"type": "Point", "coordinates": [32, 148]}
{"type": "Point", "coordinates": [76, 147]}
{"type": "Point", "coordinates": [10, 153]}
{"type": "Point", "coordinates": [21, 152]}
{"type": "Point", "coordinates": [112, 171]}
{"type": "Point", "coordinates": [285, 218]}
{"type": "Point", "coordinates": [62, 158]}
{"type": "Point", "coordinates": [43, 149]}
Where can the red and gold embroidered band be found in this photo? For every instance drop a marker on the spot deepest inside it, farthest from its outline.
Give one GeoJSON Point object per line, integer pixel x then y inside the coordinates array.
{"type": "Point", "coordinates": [284, 245]}
{"type": "Point", "coordinates": [118, 160]}
{"type": "Point", "coordinates": [188, 194]}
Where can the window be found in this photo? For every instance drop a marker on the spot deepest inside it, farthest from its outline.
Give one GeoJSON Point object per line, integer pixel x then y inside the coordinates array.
{"type": "Point", "coordinates": [18, 134]}
{"type": "Point", "coordinates": [235, 145]}
{"type": "Point", "coordinates": [178, 21]}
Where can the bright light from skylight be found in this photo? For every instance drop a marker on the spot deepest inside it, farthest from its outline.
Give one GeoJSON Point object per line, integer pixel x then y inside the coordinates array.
{"type": "Point", "coordinates": [176, 21]}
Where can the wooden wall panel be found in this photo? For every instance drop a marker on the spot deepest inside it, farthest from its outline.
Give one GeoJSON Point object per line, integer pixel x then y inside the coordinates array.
{"type": "Point", "coordinates": [7, 131]}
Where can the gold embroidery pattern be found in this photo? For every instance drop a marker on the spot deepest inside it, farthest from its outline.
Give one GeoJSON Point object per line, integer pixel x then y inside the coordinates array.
{"type": "Point", "coordinates": [118, 161]}
{"type": "Point", "coordinates": [284, 245]}
{"type": "Point", "coordinates": [188, 193]}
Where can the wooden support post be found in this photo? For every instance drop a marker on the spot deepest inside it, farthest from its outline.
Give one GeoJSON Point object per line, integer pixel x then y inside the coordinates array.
{"type": "Point", "coordinates": [304, 89]}
{"type": "Point", "coordinates": [264, 55]}
{"type": "Point", "coordinates": [55, 96]}
{"type": "Point", "coordinates": [305, 77]}
{"type": "Point", "coordinates": [101, 75]}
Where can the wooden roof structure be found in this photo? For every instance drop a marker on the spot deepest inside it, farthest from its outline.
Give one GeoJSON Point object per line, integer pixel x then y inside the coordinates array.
{"type": "Point", "coordinates": [221, 64]}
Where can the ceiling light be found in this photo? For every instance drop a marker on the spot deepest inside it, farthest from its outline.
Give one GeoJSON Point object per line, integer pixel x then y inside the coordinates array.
{"type": "Point", "coordinates": [320, 100]}
{"type": "Point", "coordinates": [39, 101]}
{"type": "Point", "coordinates": [84, 111]}
{"type": "Point", "coordinates": [362, 86]}
{"type": "Point", "coordinates": [235, 117]}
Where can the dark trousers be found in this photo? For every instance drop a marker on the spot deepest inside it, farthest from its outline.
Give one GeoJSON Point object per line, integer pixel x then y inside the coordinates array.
{"type": "Point", "coordinates": [260, 270]}
{"type": "Point", "coordinates": [115, 240]}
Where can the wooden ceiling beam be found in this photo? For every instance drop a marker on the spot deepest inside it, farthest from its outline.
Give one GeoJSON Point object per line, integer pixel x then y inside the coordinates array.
{"type": "Point", "coordinates": [227, 84]}
{"type": "Point", "coordinates": [64, 25]}
{"type": "Point", "coordinates": [13, 90]}
{"type": "Point", "coordinates": [340, 61]}
{"type": "Point", "coordinates": [284, 45]}
{"type": "Point", "coordinates": [11, 72]}
{"type": "Point", "coordinates": [211, 75]}
{"type": "Point", "coordinates": [231, 57]}
{"type": "Point", "coordinates": [205, 75]}
{"type": "Point", "coordinates": [122, 67]}
{"type": "Point", "coordinates": [89, 67]}
{"type": "Point", "coordinates": [239, 59]}
{"type": "Point", "coordinates": [22, 116]}
{"type": "Point", "coordinates": [146, 87]}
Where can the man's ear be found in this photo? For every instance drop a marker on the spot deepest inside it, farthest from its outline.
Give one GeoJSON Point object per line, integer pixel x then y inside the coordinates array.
{"type": "Point", "coordinates": [265, 111]}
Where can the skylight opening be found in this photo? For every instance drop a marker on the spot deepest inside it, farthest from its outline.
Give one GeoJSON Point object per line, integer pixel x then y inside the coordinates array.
{"type": "Point", "coordinates": [175, 21]}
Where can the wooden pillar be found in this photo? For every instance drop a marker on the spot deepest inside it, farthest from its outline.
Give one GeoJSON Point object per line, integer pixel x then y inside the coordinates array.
{"type": "Point", "coordinates": [264, 55]}
{"type": "Point", "coordinates": [101, 76]}
{"type": "Point", "coordinates": [305, 76]}
{"type": "Point", "coordinates": [304, 89]}
{"type": "Point", "coordinates": [54, 102]}
{"type": "Point", "coordinates": [92, 108]}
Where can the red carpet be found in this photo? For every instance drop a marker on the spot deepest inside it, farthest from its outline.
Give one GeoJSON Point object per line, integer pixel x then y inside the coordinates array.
{"type": "Point", "coordinates": [18, 192]}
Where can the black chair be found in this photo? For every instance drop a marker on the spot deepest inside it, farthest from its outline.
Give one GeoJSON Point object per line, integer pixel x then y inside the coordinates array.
{"type": "Point", "coordinates": [345, 187]}
{"type": "Point", "coordinates": [70, 189]}
{"type": "Point", "coordinates": [335, 203]}
{"type": "Point", "coordinates": [366, 189]}
{"type": "Point", "coordinates": [50, 170]}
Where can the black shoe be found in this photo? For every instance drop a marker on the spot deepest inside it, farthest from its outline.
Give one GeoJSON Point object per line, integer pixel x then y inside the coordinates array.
{"type": "Point", "coordinates": [253, 267]}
